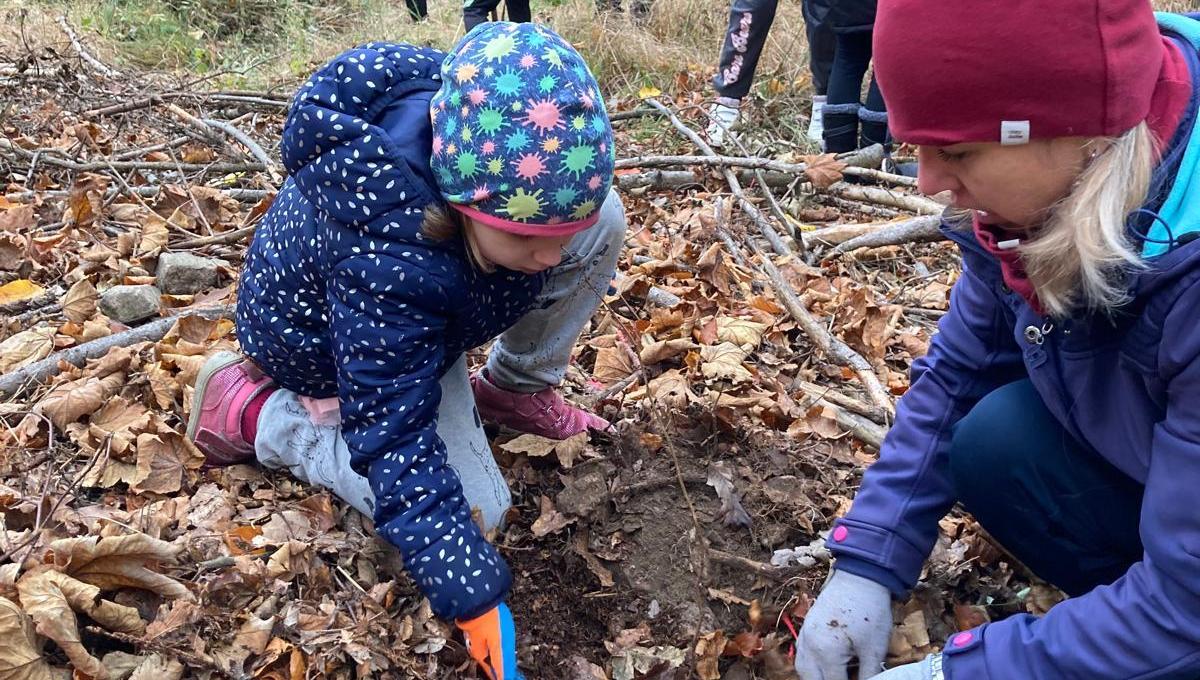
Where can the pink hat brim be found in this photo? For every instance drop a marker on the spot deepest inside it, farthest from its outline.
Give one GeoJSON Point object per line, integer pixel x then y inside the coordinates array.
{"type": "Point", "coordinates": [523, 229]}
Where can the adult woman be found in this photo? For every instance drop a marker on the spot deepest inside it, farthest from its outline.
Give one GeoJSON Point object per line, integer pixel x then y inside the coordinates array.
{"type": "Point", "coordinates": [1057, 402]}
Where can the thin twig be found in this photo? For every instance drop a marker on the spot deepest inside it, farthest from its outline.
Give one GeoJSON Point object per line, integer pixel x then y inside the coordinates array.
{"type": "Point", "coordinates": [95, 63]}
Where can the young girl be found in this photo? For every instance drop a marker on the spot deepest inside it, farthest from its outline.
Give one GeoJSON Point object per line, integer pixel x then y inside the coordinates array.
{"type": "Point", "coordinates": [1058, 401]}
{"type": "Point", "coordinates": [427, 212]}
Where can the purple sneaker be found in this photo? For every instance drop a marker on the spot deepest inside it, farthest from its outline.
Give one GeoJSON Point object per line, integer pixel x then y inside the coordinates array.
{"type": "Point", "coordinates": [225, 387]}
{"type": "Point", "coordinates": [543, 413]}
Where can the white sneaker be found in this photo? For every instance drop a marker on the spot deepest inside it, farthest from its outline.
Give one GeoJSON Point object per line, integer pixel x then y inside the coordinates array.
{"type": "Point", "coordinates": [722, 117]}
{"type": "Point", "coordinates": [816, 128]}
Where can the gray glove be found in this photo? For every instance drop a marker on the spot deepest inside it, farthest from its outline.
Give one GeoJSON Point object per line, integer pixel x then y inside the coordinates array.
{"type": "Point", "coordinates": [852, 617]}
{"type": "Point", "coordinates": [922, 670]}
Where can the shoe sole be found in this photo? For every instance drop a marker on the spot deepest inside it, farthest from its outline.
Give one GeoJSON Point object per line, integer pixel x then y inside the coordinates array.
{"type": "Point", "coordinates": [215, 363]}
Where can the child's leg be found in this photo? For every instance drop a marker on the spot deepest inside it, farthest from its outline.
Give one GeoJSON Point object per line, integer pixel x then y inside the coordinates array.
{"type": "Point", "coordinates": [840, 113]}
{"type": "Point", "coordinates": [749, 23]}
{"type": "Point", "coordinates": [873, 116]}
{"type": "Point", "coordinates": [534, 353]}
{"type": "Point", "coordinates": [476, 12]}
{"type": "Point", "coordinates": [317, 454]}
{"type": "Point", "coordinates": [821, 41]}
{"type": "Point", "coordinates": [518, 11]}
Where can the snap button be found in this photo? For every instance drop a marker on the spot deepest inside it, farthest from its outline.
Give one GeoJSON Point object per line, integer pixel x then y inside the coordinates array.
{"type": "Point", "coordinates": [840, 534]}
{"type": "Point", "coordinates": [963, 639]}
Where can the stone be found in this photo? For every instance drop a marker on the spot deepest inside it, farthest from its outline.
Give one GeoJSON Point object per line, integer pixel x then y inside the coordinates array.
{"type": "Point", "coordinates": [584, 494]}
{"type": "Point", "coordinates": [186, 274]}
{"type": "Point", "coordinates": [128, 304]}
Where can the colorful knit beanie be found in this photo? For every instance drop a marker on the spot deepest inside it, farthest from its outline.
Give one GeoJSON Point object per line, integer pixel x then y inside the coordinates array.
{"type": "Point", "coordinates": [521, 140]}
{"type": "Point", "coordinates": [1011, 71]}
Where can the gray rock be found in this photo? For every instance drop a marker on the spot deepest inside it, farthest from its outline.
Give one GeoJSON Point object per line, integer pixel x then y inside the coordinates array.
{"type": "Point", "coordinates": [128, 304]}
{"type": "Point", "coordinates": [186, 274]}
{"type": "Point", "coordinates": [584, 494]}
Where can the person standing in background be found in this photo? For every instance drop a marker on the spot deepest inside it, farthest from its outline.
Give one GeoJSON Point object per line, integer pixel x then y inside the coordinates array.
{"type": "Point", "coordinates": [476, 12]}
{"type": "Point", "coordinates": [853, 23]}
{"type": "Point", "coordinates": [749, 23]}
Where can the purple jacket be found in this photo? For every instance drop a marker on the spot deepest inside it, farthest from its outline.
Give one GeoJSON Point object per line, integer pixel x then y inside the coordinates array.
{"type": "Point", "coordinates": [1129, 388]}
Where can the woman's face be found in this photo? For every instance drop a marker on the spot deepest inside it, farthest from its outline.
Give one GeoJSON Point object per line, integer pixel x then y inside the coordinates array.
{"type": "Point", "coordinates": [1011, 185]}
{"type": "Point", "coordinates": [527, 254]}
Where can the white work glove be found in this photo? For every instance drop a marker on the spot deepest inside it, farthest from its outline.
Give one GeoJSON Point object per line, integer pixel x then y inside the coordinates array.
{"type": "Point", "coordinates": [922, 670]}
{"type": "Point", "coordinates": [852, 617]}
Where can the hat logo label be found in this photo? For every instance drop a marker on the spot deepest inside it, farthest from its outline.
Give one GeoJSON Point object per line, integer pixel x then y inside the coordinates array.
{"type": "Point", "coordinates": [1014, 132]}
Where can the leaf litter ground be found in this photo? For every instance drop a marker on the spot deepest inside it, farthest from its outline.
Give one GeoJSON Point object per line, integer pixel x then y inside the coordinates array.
{"type": "Point", "coordinates": [685, 543]}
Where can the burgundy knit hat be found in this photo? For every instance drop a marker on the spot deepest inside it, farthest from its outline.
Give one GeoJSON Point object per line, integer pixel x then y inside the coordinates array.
{"type": "Point", "coordinates": [1010, 71]}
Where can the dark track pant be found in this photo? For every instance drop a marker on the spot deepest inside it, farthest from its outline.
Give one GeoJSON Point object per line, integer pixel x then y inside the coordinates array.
{"type": "Point", "coordinates": [843, 113]}
{"type": "Point", "coordinates": [749, 23]}
{"type": "Point", "coordinates": [1060, 508]}
{"type": "Point", "coordinates": [476, 12]}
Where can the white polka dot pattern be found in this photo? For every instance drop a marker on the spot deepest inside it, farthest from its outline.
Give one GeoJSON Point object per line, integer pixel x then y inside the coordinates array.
{"type": "Point", "coordinates": [341, 294]}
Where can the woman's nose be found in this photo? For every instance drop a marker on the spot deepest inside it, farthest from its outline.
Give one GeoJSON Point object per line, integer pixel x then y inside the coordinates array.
{"type": "Point", "coordinates": [933, 174]}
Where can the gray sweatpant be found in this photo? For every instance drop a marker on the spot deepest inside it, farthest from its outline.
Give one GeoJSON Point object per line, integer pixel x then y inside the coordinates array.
{"type": "Point", "coordinates": [529, 357]}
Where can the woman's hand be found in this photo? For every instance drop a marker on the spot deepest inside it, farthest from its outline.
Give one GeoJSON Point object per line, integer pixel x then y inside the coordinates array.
{"type": "Point", "coordinates": [852, 617]}
{"type": "Point", "coordinates": [492, 642]}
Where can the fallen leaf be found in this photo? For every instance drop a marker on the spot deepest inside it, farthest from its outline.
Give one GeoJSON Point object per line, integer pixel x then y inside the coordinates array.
{"type": "Point", "coordinates": [665, 349]}
{"type": "Point", "coordinates": [823, 170]}
{"type": "Point", "coordinates": [157, 667]}
{"type": "Point", "coordinates": [745, 644]}
{"type": "Point", "coordinates": [20, 654]}
{"type": "Point", "coordinates": [724, 362]}
{"type": "Point", "coordinates": [579, 546]}
{"type": "Point", "coordinates": [113, 562]}
{"type": "Point", "coordinates": [648, 91]}
{"type": "Point", "coordinates": [19, 290]}
{"type": "Point", "coordinates": [671, 389]}
{"type": "Point", "coordinates": [50, 598]}
{"type": "Point", "coordinates": [251, 638]}
{"type": "Point", "coordinates": [550, 520]}
{"type": "Point", "coordinates": [26, 347]}
{"type": "Point", "coordinates": [163, 460]}
{"type": "Point", "coordinates": [708, 655]}
{"type": "Point", "coordinates": [120, 420]}
{"type": "Point", "coordinates": [74, 399]}
{"type": "Point", "coordinates": [740, 332]}
{"type": "Point", "coordinates": [731, 512]}
{"type": "Point", "coordinates": [12, 251]}
{"type": "Point", "coordinates": [79, 304]}
{"type": "Point", "coordinates": [612, 364]}
{"type": "Point", "coordinates": [530, 445]}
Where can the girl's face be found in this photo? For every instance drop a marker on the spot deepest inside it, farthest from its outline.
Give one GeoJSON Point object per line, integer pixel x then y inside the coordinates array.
{"type": "Point", "coordinates": [1010, 185]}
{"type": "Point", "coordinates": [526, 254]}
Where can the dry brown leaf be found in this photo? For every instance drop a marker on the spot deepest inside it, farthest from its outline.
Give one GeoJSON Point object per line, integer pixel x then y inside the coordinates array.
{"type": "Point", "coordinates": [20, 653]}
{"type": "Point", "coordinates": [120, 562]}
{"type": "Point", "coordinates": [163, 460]}
{"type": "Point", "coordinates": [72, 400]}
{"type": "Point", "coordinates": [708, 655]}
{"type": "Point", "coordinates": [251, 638]}
{"type": "Point", "coordinates": [612, 364]}
{"type": "Point", "coordinates": [157, 667]}
{"type": "Point", "coordinates": [570, 449]}
{"type": "Point", "coordinates": [12, 251]}
{"type": "Point", "coordinates": [665, 349]}
{"type": "Point", "coordinates": [111, 473]}
{"type": "Point", "coordinates": [121, 420]}
{"type": "Point", "coordinates": [746, 644]}
{"type": "Point", "coordinates": [154, 236]}
{"type": "Point", "coordinates": [713, 270]}
{"type": "Point", "coordinates": [732, 512]}
{"type": "Point", "coordinates": [740, 332]}
{"type": "Point", "coordinates": [163, 385]}
{"type": "Point", "coordinates": [671, 389]}
{"type": "Point", "coordinates": [530, 445]}
{"type": "Point", "coordinates": [292, 559]}
{"type": "Point", "coordinates": [79, 304]}
{"type": "Point", "coordinates": [50, 598]}
{"type": "Point", "coordinates": [550, 520]}
{"type": "Point", "coordinates": [823, 170]}
{"type": "Point", "coordinates": [26, 347]}
{"type": "Point", "coordinates": [579, 546]}
{"type": "Point", "coordinates": [724, 362]}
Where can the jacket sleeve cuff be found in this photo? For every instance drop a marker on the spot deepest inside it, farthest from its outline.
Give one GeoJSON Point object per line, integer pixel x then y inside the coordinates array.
{"type": "Point", "coordinates": [963, 657]}
{"type": "Point", "coordinates": [874, 572]}
{"type": "Point", "coordinates": [885, 549]}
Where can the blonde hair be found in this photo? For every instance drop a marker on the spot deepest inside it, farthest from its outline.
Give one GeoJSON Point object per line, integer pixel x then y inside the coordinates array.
{"type": "Point", "coordinates": [1080, 255]}
{"type": "Point", "coordinates": [443, 223]}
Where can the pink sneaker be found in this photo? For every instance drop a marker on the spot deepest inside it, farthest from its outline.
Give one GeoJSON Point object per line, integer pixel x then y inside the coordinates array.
{"type": "Point", "coordinates": [225, 387]}
{"type": "Point", "coordinates": [543, 413]}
